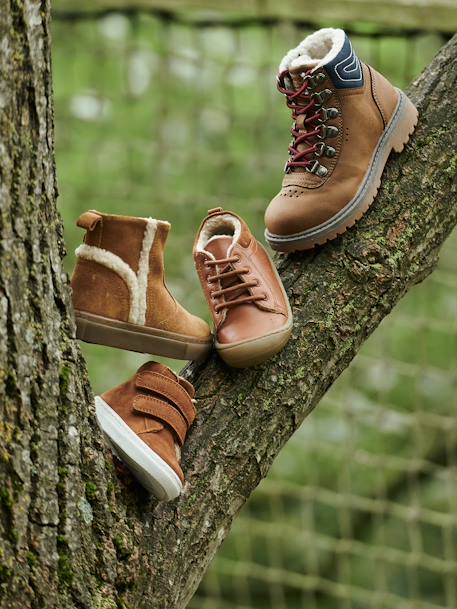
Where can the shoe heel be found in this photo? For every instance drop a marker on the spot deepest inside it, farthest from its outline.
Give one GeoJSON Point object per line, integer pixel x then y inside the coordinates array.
{"type": "Point", "coordinates": [406, 125]}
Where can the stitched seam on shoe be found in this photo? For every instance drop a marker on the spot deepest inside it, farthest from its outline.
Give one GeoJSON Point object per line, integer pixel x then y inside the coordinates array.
{"type": "Point", "coordinates": [161, 403]}
{"type": "Point", "coordinates": [376, 99]}
{"type": "Point", "coordinates": [141, 375]}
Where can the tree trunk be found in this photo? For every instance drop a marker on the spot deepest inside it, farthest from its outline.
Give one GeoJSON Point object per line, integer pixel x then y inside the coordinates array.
{"type": "Point", "coordinates": [77, 534]}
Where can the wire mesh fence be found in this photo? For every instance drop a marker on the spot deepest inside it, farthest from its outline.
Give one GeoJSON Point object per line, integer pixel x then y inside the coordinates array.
{"type": "Point", "coordinates": [164, 117]}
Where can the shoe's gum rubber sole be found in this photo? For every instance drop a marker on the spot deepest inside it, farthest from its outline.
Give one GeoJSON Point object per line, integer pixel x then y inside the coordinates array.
{"type": "Point", "coordinates": [154, 474]}
{"type": "Point", "coordinates": [395, 136]}
{"type": "Point", "coordinates": [251, 352]}
{"type": "Point", "coordinates": [122, 335]}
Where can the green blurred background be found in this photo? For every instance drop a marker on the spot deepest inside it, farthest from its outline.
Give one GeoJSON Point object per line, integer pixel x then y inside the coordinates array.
{"type": "Point", "coordinates": [167, 114]}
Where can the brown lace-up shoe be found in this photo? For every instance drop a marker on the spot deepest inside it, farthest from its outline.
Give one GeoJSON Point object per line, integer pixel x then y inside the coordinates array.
{"type": "Point", "coordinates": [347, 119]}
{"type": "Point", "coordinates": [146, 421]}
{"type": "Point", "coordinates": [119, 294]}
{"type": "Point", "coordinates": [245, 295]}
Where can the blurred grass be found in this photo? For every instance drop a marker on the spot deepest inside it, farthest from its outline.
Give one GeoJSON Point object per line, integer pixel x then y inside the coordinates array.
{"type": "Point", "coordinates": [163, 120]}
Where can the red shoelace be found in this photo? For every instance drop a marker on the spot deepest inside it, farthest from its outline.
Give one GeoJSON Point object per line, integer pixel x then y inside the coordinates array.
{"type": "Point", "coordinates": [302, 102]}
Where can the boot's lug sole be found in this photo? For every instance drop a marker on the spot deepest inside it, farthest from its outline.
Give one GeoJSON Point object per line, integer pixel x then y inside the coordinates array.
{"type": "Point", "coordinates": [100, 330]}
{"type": "Point", "coordinates": [147, 466]}
{"type": "Point", "coordinates": [395, 136]}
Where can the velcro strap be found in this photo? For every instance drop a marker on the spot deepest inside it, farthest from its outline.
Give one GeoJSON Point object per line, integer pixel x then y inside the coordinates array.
{"type": "Point", "coordinates": [164, 412]}
{"type": "Point", "coordinates": [187, 386]}
{"type": "Point", "coordinates": [89, 220]}
{"type": "Point", "coordinates": [167, 388]}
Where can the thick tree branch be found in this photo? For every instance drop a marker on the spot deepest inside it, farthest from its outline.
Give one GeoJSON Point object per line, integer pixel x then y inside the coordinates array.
{"type": "Point", "coordinates": [339, 293]}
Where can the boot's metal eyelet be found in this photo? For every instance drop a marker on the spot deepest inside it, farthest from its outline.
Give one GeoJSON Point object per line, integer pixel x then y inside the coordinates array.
{"type": "Point", "coordinates": [320, 149]}
{"type": "Point", "coordinates": [326, 114]}
{"type": "Point", "coordinates": [332, 131]}
{"type": "Point", "coordinates": [323, 149]}
{"type": "Point", "coordinates": [322, 96]}
{"type": "Point", "coordinates": [316, 79]}
{"type": "Point", "coordinates": [318, 169]}
{"type": "Point", "coordinates": [327, 131]}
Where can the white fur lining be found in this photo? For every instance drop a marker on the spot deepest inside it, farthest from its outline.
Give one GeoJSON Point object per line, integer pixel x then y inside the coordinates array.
{"type": "Point", "coordinates": [143, 268]}
{"type": "Point", "coordinates": [223, 225]}
{"type": "Point", "coordinates": [315, 50]}
{"type": "Point", "coordinates": [137, 283]}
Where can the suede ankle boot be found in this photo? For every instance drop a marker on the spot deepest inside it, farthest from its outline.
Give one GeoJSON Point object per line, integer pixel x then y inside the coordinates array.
{"type": "Point", "coordinates": [119, 294]}
{"type": "Point", "coordinates": [146, 420]}
{"type": "Point", "coordinates": [347, 120]}
{"type": "Point", "coordinates": [246, 298]}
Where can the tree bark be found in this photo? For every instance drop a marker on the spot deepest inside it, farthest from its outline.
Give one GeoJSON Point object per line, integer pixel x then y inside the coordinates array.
{"type": "Point", "coordinates": [77, 533]}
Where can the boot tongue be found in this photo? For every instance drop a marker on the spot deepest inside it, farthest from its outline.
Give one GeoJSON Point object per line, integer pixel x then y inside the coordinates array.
{"type": "Point", "coordinates": [218, 246]}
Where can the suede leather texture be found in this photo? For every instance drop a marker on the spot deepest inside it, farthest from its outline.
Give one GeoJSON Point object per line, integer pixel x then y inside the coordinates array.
{"type": "Point", "coordinates": [155, 430]}
{"type": "Point", "coordinates": [101, 291]}
{"type": "Point", "coordinates": [163, 311]}
{"type": "Point", "coordinates": [307, 200]}
{"type": "Point", "coordinates": [248, 320]}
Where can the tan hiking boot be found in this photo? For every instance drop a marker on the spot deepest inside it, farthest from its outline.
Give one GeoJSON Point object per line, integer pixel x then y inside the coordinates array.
{"type": "Point", "coordinates": [119, 294]}
{"type": "Point", "coordinates": [146, 421]}
{"type": "Point", "coordinates": [245, 295]}
{"type": "Point", "coordinates": [347, 119]}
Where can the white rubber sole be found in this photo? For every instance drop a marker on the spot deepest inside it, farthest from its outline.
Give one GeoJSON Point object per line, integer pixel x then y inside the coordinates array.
{"type": "Point", "coordinates": [149, 469]}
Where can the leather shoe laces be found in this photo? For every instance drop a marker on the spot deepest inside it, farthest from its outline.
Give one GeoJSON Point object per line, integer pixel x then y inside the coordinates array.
{"type": "Point", "coordinates": [230, 278]}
